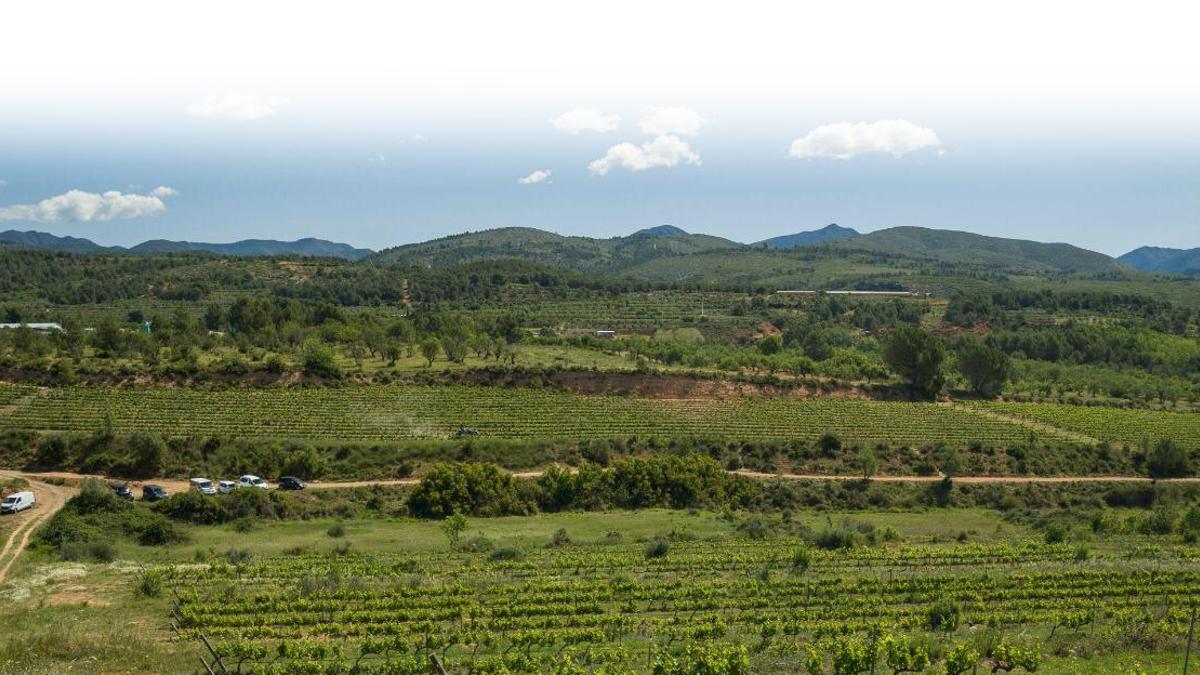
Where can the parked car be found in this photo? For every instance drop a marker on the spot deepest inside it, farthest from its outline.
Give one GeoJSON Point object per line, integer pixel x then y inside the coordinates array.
{"type": "Point", "coordinates": [291, 483]}
{"type": "Point", "coordinates": [153, 493]}
{"type": "Point", "coordinates": [123, 491]}
{"type": "Point", "coordinates": [253, 481]}
{"type": "Point", "coordinates": [466, 431]}
{"type": "Point", "coordinates": [203, 485]}
{"type": "Point", "coordinates": [226, 486]}
{"type": "Point", "coordinates": [18, 501]}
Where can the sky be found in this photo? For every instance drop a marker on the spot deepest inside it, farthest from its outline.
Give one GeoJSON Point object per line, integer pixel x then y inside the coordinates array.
{"type": "Point", "coordinates": [379, 124]}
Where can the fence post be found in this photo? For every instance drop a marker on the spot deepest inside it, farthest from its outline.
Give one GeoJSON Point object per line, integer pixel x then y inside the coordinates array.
{"type": "Point", "coordinates": [437, 663]}
{"type": "Point", "coordinates": [1187, 655]}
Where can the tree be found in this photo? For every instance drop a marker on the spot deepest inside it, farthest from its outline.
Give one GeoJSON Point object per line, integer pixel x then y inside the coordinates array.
{"type": "Point", "coordinates": [984, 367]}
{"type": "Point", "coordinates": [430, 348]}
{"type": "Point", "coordinates": [453, 527]}
{"type": "Point", "coordinates": [866, 462]}
{"type": "Point", "coordinates": [917, 355]}
{"type": "Point", "coordinates": [319, 360]}
{"type": "Point", "coordinates": [771, 344]}
{"type": "Point", "coordinates": [1168, 460]}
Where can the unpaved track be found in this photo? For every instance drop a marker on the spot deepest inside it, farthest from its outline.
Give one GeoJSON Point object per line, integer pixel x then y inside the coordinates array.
{"type": "Point", "coordinates": [48, 500]}
{"type": "Point", "coordinates": [174, 485]}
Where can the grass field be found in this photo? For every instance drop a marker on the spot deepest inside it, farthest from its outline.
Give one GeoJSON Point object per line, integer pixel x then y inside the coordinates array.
{"type": "Point", "coordinates": [405, 411]}
{"type": "Point", "coordinates": [599, 599]}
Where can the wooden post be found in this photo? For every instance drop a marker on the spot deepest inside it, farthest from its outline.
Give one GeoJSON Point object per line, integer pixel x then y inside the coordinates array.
{"type": "Point", "coordinates": [1187, 655]}
{"type": "Point", "coordinates": [437, 663]}
{"type": "Point", "coordinates": [219, 662]}
{"type": "Point", "coordinates": [207, 668]}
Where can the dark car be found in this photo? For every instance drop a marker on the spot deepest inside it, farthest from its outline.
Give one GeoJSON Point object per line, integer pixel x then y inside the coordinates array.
{"type": "Point", "coordinates": [123, 491]}
{"type": "Point", "coordinates": [466, 431]}
{"type": "Point", "coordinates": [153, 493]}
{"type": "Point", "coordinates": [291, 483]}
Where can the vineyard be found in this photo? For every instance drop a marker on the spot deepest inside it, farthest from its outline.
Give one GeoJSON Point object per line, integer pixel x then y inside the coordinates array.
{"type": "Point", "coordinates": [1109, 424]}
{"type": "Point", "coordinates": [406, 411]}
{"type": "Point", "coordinates": [774, 605]}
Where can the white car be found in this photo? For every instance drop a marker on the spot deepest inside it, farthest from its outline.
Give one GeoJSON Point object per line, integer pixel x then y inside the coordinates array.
{"type": "Point", "coordinates": [18, 501]}
{"type": "Point", "coordinates": [203, 485]}
{"type": "Point", "coordinates": [249, 481]}
{"type": "Point", "coordinates": [226, 486]}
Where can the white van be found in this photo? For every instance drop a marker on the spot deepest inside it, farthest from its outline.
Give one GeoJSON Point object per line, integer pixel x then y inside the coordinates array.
{"type": "Point", "coordinates": [18, 501]}
{"type": "Point", "coordinates": [203, 485]}
{"type": "Point", "coordinates": [226, 486]}
{"type": "Point", "coordinates": [249, 481]}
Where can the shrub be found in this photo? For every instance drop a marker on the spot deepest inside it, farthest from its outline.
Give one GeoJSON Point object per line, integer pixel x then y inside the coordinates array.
{"type": "Point", "coordinates": [151, 584]}
{"type": "Point", "coordinates": [833, 539]}
{"type": "Point", "coordinates": [89, 551]}
{"type": "Point", "coordinates": [1056, 534]}
{"type": "Point", "coordinates": [802, 559]}
{"type": "Point", "coordinates": [1168, 460]}
{"type": "Point", "coordinates": [506, 553]}
{"type": "Point", "coordinates": [659, 548]}
{"type": "Point", "coordinates": [336, 531]}
{"type": "Point", "coordinates": [942, 615]}
{"type": "Point", "coordinates": [560, 538]}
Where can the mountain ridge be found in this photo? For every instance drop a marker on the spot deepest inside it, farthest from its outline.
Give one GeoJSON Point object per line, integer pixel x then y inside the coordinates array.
{"type": "Point", "coordinates": [1164, 260]}
{"type": "Point", "coordinates": [246, 247]}
{"type": "Point", "coordinates": [831, 232]}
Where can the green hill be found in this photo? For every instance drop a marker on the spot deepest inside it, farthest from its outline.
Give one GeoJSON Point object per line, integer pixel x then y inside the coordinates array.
{"type": "Point", "coordinates": [583, 254]}
{"type": "Point", "coordinates": [951, 246]}
{"type": "Point", "coordinates": [1164, 260]}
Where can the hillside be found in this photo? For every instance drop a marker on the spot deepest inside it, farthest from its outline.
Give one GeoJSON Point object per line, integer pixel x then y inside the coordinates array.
{"type": "Point", "coordinates": [583, 254]}
{"type": "Point", "coordinates": [1164, 260]}
{"type": "Point", "coordinates": [256, 247]}
{"type": "Point", "coordinates": [952, 246]}
{"type": "Point", "coordinates": [246, 247]}
{"type": "Point", "coordinates": [832, 232]}
{"type": "Point", "coordinates": [50, 242]}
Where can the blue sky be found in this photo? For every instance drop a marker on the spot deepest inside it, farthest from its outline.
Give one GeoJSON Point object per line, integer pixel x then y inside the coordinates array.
{"type": "Point", "coordinates": [384, 142]}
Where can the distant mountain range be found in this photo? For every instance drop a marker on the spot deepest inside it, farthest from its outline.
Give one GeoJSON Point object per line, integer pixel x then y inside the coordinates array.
{"type": "Point", "coordinates": [1164, 260]}
{"type": "Point", "coordinates": [824, 235]}
{"type": "Point", "coordinates": [670, 253]}
{"type": "Point", "coordinates": [246, 247]}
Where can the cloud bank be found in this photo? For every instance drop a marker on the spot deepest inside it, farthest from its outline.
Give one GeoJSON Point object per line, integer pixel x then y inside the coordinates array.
{"type": "Point", "coordinates": [535, 177]}
{"type": "Point", "coordinates": [662, 152]}
{"type": "Point", "coordinates": [579, 120]}
{"type": "Point", "coordinates": [844, 140]}
{"type": "Point", "coordinates": [664, 121]}
{"type": "Point", "coordinates": [237, 106]}
{"type": "Point", "coordinates": [85, 207]}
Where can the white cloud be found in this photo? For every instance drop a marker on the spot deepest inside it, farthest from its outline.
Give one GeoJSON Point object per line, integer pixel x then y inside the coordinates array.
{"type": "Point", "coordinates": [237, 106]}
{"type": "Point", "coordinates": [844, 140]}
{"type": "Point", "coordinates": [586, 119]}
{"type": "Point", "coordinates": [661, 121]}
{"type": "Point", "coordinates": [80, 206]}
{"type": "Point", "coordinates": [535, 177]}
{"type": "Point", "coordinates": [164, 191]}
{"type": "Point", "coordinates": [664, 151]}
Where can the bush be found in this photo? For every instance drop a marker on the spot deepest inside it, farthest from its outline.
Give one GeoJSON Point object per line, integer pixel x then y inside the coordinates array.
{"type": "Point", "coordinates": [1056, 534]}
{"type": "Point", "coordinates": [942, 615]}
{"type": "Point", "coordinates": [506, 554]}
{"type": "Point", "coordinates": [336, 531]}
{"type": "Point", "coordinates": [659, 548]}
{"type": "Point", "coordinates": [151, 584]}
{"type": "Point", "coordinates": [1168, 460]}
{"type": "Point", "coordinates": [468, 488]}
{"type": "Point", "coordinates": [90, 551]}
{"type": "Point", "coordinates": [802, 559]}
{"type": "Point", "coordinates": [833, 539]}
{"type": "Point", "coordinates": [560, 539]}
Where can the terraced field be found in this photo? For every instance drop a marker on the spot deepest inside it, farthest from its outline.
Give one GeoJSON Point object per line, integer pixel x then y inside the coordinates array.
{"type": "Point", "coordinates": [406, 411]}
{"type": "Point", "coordinates": [570, 608]}
{"type": "Point", "coordinates": [1110, 424]}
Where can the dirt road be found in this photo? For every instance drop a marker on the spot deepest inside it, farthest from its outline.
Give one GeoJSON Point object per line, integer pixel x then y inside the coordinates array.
{"type": "Point", "coordinates": [48, 500]}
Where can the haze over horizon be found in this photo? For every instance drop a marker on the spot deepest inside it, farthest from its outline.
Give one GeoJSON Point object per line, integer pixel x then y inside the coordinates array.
{"type": "Point", "coordinates": [141, 122]}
